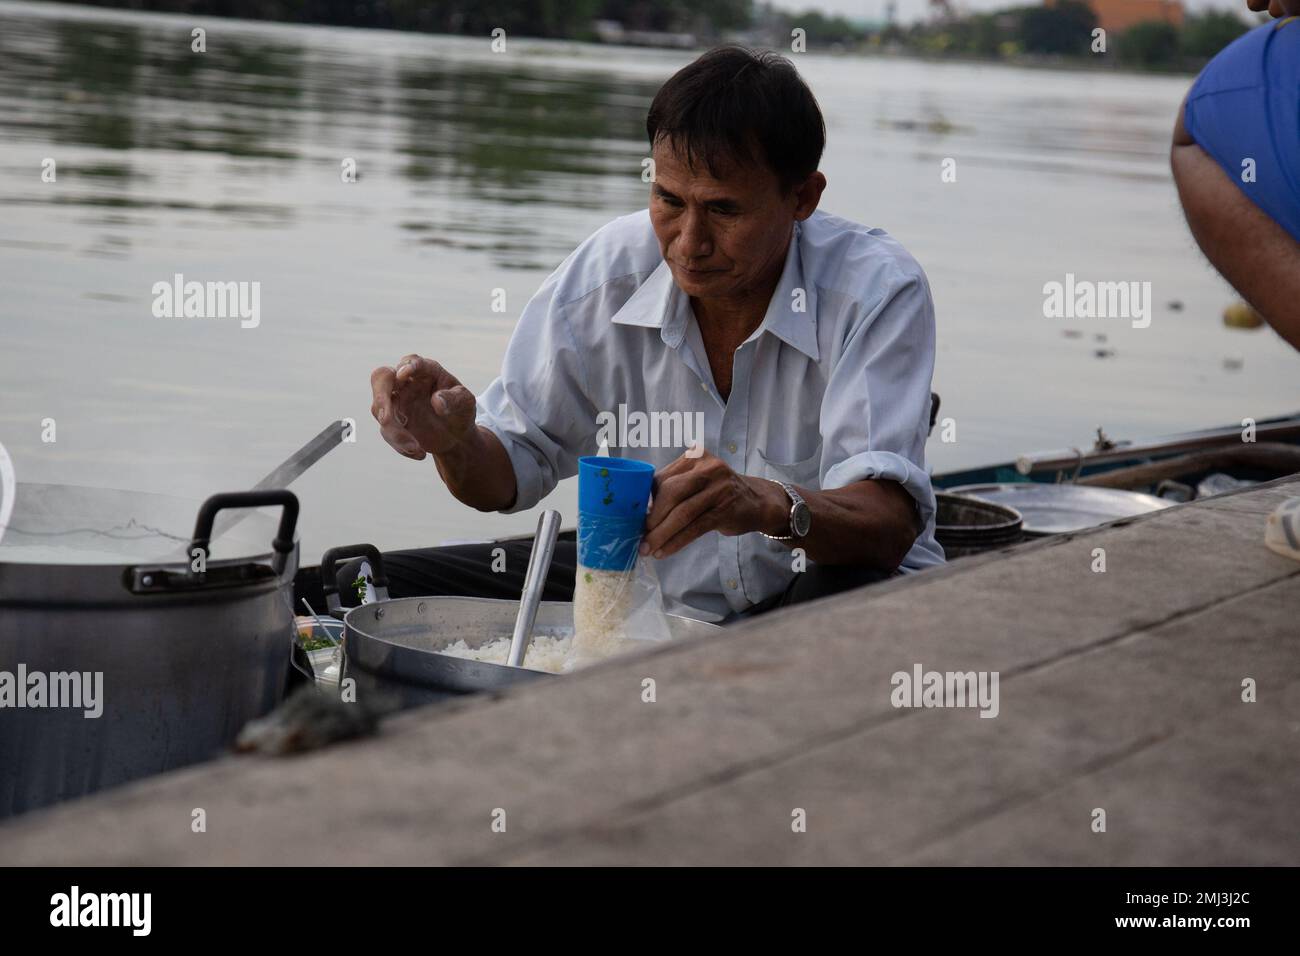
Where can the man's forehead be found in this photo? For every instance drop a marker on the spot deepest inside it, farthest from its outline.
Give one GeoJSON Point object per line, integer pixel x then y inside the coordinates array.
{"type": "Point", "coordinates": [672, 165]}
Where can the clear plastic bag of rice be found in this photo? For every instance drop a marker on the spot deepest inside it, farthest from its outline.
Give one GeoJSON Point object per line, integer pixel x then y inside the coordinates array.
{"type": "Point", "coordinates": [617, 602]}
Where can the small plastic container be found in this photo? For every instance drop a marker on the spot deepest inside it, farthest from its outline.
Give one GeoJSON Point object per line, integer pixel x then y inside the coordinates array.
{"type": "Point", "coordinates": [325, 661]}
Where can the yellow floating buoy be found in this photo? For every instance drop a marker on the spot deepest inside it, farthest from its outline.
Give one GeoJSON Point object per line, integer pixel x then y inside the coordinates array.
{"type": "Point", "coordinates": [1241, 315]}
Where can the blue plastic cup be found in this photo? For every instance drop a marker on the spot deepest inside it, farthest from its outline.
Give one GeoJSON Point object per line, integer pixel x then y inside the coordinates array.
{"type": "Point", "coordinates": [612, 498]}
{"type": "Point", "coordinates": [614, 487]}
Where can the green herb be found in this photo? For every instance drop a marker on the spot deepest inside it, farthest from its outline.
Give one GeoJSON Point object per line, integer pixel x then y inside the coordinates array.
{"type": "Point", "coordinates": [587, 577]}
{"type": "Point", "coordinates": [360, 585]}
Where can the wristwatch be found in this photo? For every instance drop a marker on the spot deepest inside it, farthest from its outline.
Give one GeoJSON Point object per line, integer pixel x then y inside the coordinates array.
{"type": "Point", "coordinates": [800, 515]}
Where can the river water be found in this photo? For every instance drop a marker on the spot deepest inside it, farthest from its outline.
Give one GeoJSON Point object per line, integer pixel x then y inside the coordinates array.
{"type": "Point", "coordinates": [479, 171]}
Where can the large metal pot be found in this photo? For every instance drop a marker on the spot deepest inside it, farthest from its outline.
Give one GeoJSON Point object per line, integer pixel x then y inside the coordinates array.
{"type": "Point", "coordinates": [187, 651]}
{"type": "Point", "coordinates": [392, 647]}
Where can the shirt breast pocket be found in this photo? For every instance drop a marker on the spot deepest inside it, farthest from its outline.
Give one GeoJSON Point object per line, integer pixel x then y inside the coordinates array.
{"type": "Point", "coordinates": [805, 472]}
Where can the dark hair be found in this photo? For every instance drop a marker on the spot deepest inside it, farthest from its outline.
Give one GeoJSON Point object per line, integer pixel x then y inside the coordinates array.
{"type": "Point", "coordinates": [741, 105]}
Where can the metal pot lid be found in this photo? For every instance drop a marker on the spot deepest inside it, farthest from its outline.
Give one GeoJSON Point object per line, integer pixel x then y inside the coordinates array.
{"type": "Point", "coordinates": [1056, 509]}
{"type": "Point", "coordinates": [53, 524]}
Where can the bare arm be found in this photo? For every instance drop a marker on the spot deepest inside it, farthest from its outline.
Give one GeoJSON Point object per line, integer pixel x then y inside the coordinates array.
{"type": "Point", "coordinates": [1250, 250]}
{"type": "Point", "coordinates": [478, 471]}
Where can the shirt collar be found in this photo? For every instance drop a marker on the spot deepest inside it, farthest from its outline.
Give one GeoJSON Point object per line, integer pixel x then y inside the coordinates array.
{"type": "Point", "coordinates": [659, 303]}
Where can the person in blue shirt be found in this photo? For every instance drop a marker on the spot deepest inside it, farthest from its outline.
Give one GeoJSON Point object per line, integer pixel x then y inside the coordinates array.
{"type": "Point", "coordinates": [1236, 162]}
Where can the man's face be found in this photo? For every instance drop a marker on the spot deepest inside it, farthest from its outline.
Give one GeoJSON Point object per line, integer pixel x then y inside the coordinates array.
{"type": "Point", "coordinates": [720, 237]}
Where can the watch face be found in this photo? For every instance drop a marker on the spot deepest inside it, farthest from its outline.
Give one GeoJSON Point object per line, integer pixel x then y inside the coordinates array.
{"type": "Point", "coordinates": [801, 519]}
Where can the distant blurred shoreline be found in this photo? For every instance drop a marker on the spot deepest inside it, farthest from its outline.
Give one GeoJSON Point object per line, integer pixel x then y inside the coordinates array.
{"type": "Point", "coordinates": [1030, 36]}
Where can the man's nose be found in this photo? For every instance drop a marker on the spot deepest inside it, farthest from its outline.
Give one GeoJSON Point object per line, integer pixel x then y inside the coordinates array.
{"type": "Point", "coordinates": [694, 241]}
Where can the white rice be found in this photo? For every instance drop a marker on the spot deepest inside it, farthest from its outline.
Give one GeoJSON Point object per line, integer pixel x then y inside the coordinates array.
{"type": "Point", "coordinates": [602, 604]}
{"type": "Point", "coordinates": [605, 614]}
{"type": "Point", "coordinates": [544, 654]}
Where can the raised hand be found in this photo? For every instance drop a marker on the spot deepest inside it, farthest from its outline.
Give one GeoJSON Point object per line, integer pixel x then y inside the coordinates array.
{"type": "Point", "coordinates": [421, 408]}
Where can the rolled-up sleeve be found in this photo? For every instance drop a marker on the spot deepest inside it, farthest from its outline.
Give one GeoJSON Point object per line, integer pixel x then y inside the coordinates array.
{"type": "Point", "coordinates": [876, 410]}
{"type": "Point", "coordinates": [538, 406]}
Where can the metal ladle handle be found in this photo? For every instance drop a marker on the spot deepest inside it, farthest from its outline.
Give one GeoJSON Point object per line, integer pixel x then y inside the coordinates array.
{"type": "Point", "coordinates": [539, 564]}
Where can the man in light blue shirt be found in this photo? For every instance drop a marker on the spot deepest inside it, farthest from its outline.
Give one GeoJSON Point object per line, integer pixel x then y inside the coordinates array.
{"type": "Point", "coordinates": [772, 361]}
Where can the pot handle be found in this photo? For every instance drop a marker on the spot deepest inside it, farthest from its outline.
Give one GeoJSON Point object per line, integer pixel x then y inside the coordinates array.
{"type": "Point", "coordinates": [283, 541]}
{"type": "Point", "coordinates": [329, 572]}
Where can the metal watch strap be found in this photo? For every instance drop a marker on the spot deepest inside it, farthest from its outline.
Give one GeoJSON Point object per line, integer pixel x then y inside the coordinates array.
{"type": "Point", "coordinates": [795, 499]}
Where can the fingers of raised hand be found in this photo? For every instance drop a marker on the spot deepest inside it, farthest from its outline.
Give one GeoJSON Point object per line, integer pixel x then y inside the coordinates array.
{"type": "Point", "coordinates": [403, 442]}
{"type": "Point", "coordinates": [381, 389]}
{"type": "Point", "coordinates": [453, 402]}
{"type": "Point", "coordinates": [416, 370]}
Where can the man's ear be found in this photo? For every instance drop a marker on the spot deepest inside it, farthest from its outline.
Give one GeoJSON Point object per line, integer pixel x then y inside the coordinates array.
{"type": "Point", "coordinates": [807, 195]}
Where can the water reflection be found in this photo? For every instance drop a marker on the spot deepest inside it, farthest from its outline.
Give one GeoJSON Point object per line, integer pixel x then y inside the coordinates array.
{"type": "Point", "coordinates": [501, 136]}
{"type": "Point", "coordinates": [512, 137]}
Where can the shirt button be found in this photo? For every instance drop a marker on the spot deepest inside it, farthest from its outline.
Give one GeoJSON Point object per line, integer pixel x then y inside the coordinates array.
{"type": "Point", "coordinates": [731, 447]}
{"type": "Point", "coordinates": [731, 583]}
{"type": "Point", "coordinates": [704, 385]}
